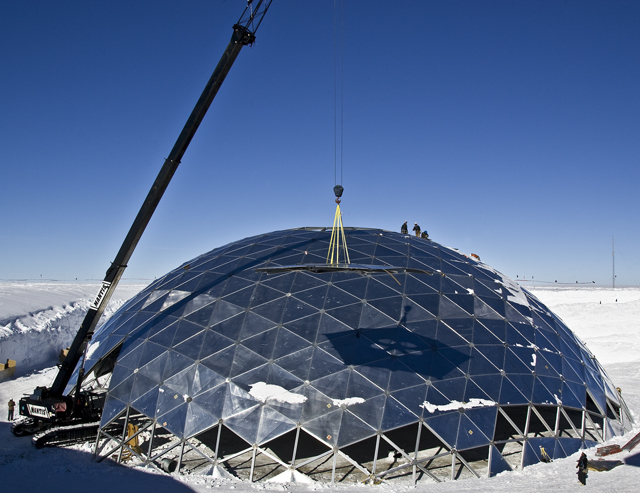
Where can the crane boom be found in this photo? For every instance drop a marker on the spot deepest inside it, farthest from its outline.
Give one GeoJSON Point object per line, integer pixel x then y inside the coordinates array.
{"type": "Point", "coordinates": [37, 406]}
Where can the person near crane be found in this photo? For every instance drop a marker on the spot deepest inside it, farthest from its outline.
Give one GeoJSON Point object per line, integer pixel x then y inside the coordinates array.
{"type": "Point", "coordinates": [583, 466]}
{"type": "Point", "coordinates": [404, 229]}
{"type": "Point", "coordinates": [11, 406]}
{"type": "Point", "coordinates": [416, 228]}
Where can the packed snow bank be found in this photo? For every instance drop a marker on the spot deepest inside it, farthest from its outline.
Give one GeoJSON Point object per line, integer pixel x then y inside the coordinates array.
{"type": "Point", "coordinates": [607, 320]}
{"type": "Point", "coordinates": [47, 316]}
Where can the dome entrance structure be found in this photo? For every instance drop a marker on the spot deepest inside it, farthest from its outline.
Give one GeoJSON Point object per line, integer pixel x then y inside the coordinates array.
{"type": "Point", "coordinates": [415, 363]}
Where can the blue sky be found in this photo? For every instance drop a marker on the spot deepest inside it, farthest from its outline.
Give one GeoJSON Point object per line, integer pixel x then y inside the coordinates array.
{"type": "Point", "coordinates": [507, 129]}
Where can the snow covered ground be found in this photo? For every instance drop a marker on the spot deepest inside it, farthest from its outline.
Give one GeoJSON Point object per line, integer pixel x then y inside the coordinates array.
{"type": "Point", "coordinates": [37, 320]}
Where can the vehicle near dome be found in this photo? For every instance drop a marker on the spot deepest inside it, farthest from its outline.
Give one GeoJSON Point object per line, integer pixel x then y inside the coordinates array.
{"type": "Point", "coordinates": [412, 361]}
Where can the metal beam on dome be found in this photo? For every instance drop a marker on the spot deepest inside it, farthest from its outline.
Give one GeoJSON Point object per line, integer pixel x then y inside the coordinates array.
{"type": "Point", "coordinates": [360, 269]}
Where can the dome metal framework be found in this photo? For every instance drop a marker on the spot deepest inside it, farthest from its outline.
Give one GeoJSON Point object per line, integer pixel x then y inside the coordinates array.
{"type": "Point", "coordinates": [415, 362]}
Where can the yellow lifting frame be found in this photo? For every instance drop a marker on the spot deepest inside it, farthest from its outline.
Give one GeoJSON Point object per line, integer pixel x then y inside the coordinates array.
{"type": "Point", "coordinates": [337, 236]}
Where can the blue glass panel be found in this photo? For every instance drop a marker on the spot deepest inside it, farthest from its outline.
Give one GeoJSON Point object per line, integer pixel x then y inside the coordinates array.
{"type": "Point", "coordinates": [519, 360]}
{"type": "Point", "coordinates": [272, 425]}
{"type": "Point", "coordinates": [237, 401]}
{"type": "Point", "coordinates": [203, 315]}
{"type": "Point", "coordinates": [323, 364]}
{"type": "Point", "coordinates": [204, 379]}
{"type": "Point", "coordinates": [445, 426]}
{"type": "Point", "coordinates": [262, 344]}
{"type": "Point", "coordinates": [282, 282]}
{"type": "Point", "coordinates": [453, 306]}
{"type": "Point", "coordinates": [353, 429]}
{"type": "Point", "coordinates": [264, 294]}
{"type": "Point", "coordinates": [141, 385]}
{"type": "Point", "coordinates": [197, 420]}
{"type": "Point", "coordinates": [191, 347]}
{"type": "Point", "coordinates": [306, 327]}
{"type": "Point", "coordinates": [396, 415]}
{"type": "Point", "coordinates": [497, 463]}
{"type": "Point", "coordinates": [154, 368]}
{"type": "Point", "coordinates": [447, 337]}
{"type": "Point", "coordinates": [377, 290]}
{"type": "Point", "coordinates": [373, 318]}
{"type": "Point", "coordinates": [313, 297]}
{"type": "Point", "coordinates": [357, 287]}
{"type": "Point", "coordinates": [245, 360]}
{"type": "Point", "coordinates": [524, 329]}
{"type": "Point", "coordinates": [293, 310]}
{"type": "Point", "coordinates": [147, 403]}
{"type": "Point", "coordinates": [547, 363]}
{"type": "Point", "coordinates": [212, 343]}
{"type": "Point", "coordinates": [333, 386]}
{"type": "Point", "coordinates": [391, 307]}
{"type": "Point", "coordinates": [469, 435]}
{"type": "Point", "coordinates": [524, 384]}
{"type": "Point", "coordinates": [176, 362]}
{"type": "Point", "coordinates": [329, 328]}
{"type": "Point", "coordinates": [122, 391]}
{"type": "Point", "coordinates": [112, 408]}
{"type": "Point", "coordinates": [297, 363]}
{"type": "Point", "coordinates": [473, 391]}
{"type": "Point", "coordinates": [542, 394]}
{"type": "Point", "coordinates": [224, 311]}
{"type": "Point", "coordinates": [489, 307]}
{"type": "Point", "coordinates": [245, 424]}
{"type": "Point", "coordinates": [442, 368]}
{"type": "Point", "coordinates": [369, 411]}
{"type": "Point", "coordinates": [326, 428]}
{"type": "Point", "coordinates": [458, 356]}
{"type": "Point", "coordinates": [489, 384]}
{"type": "Point", "coordinates": [510, 394]}
{"type": "Point", "coordinates": [569, 446]}
{"type": "Point", "coordinates": [221, 361]}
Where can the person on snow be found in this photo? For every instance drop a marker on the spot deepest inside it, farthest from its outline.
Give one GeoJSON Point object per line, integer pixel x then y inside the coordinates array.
{"type": "Point", "coordinates": [583, 466]}
{"type": "Point", "coordinates": [11, 405]}
{"type": "Point", "coordinates": [404, 229]}
{"type": "Point", "coordinates": [416, 228]}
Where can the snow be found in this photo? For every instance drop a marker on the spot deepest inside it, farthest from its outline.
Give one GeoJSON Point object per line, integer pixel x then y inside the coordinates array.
{"type": "Point", "coordinates": [349, 401]}
{"type": "Point", "coordinates": [432, 408]}
{"type": "Point", "coordinates": [263, 391]}
{"type": "Point", "coordinates": [38, 318]}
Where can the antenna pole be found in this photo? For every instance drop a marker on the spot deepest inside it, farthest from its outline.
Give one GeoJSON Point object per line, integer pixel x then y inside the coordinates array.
{"type": "Point", "coordinates": [613, 262]}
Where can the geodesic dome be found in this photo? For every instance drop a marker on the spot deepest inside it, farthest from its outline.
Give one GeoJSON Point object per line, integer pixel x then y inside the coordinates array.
{"type": "Point", "coordinates": [414, 360]}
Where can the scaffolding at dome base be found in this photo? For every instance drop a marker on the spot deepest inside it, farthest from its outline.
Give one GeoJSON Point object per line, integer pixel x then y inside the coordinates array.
{"type": "Point", "coordinates": [408, 454]}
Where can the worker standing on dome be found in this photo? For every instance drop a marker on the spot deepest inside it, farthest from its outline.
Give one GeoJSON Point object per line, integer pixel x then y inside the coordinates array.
{"type": "Point", "coordinates": [416, 228]}
{"type": "Point", "coordinates": [404, 229]}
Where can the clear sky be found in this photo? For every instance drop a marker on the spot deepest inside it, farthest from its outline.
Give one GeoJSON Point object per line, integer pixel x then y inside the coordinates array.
{"type": "Point", "coordinates": [508, 129]}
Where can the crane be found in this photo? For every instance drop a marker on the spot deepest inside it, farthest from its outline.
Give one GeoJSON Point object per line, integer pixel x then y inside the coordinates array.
{"type": "Point", "coordinates": [48, 408]}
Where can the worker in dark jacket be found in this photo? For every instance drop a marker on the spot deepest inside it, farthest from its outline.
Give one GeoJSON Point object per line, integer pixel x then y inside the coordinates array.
{"type": "Point", "coordinates": [404, 229]}
{"type": "Point", "coordinates": [424, 235]}
{"type": "Point", "coordinates": [416, 228]}
{"type": "Point", "coordinates": [11, 405]}
{"type": "Point", "coordinates": [583, 466]}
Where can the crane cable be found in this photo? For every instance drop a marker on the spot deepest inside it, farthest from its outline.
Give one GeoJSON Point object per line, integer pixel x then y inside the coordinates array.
{"type": "Point", "coordinates": [337, 231]}
{"type": "Point", "coordinates": [335, 89]}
